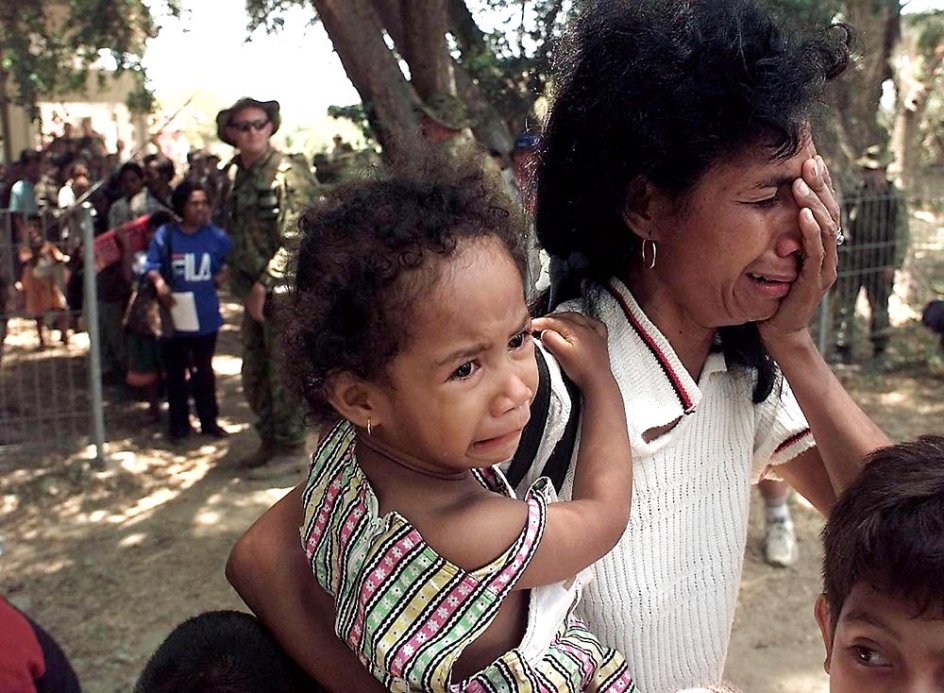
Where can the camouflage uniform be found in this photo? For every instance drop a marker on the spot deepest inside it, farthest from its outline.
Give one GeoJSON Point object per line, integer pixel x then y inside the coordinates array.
{"type": "Point", "coordinates": [261, 213]}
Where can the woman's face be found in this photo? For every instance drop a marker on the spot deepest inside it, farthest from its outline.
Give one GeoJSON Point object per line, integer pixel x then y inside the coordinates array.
{"type": "Point", "coordinates": [131, 183]}
{"type": "Point", "coordinates": [731, 253]}
{"type": "Point", "coordinates": [197, 209]}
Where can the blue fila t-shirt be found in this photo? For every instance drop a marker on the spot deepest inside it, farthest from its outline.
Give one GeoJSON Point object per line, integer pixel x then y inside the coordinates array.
{"type": "Point", "coordinates": [195, 259]}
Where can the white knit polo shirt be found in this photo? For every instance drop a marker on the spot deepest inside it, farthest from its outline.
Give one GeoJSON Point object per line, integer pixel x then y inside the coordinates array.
{"type": "Point", "coordinates": [665, 596]}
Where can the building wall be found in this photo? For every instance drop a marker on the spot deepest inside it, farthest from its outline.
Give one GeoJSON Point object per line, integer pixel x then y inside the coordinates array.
{"type": "Point", "coordinates": [104, 104]}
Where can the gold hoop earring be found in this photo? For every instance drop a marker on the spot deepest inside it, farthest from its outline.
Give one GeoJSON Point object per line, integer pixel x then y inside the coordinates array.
{"type": "Point", "coordinates": [369, 429]}
{"type": "Point", "coordinates": [642, 250]}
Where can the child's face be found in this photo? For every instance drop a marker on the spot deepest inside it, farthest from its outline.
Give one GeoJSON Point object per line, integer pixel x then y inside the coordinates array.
{"type": "Point", "coordinates": [459, 393]}
{"type": "Point", "coordinates": [880, 645]}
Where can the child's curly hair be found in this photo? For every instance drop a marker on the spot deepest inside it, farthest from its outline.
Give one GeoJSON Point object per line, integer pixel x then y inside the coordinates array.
{"type": "Point", "coordinates": [358, 268]}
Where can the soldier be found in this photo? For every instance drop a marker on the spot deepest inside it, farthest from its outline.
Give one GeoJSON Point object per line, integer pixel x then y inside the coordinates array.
{"type": "Point", "coordinates": [268, 190]}
{"type": "Point", "coordinates": [877, 239]}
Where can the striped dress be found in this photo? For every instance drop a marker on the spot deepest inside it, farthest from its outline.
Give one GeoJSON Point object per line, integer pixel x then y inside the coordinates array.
{"type": "Point", "coordinates": [408, 613]}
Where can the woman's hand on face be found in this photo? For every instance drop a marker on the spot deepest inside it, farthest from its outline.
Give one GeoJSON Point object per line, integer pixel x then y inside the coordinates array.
{"type": "Point", "coordinates": [819, 223]}
{"type": "Point", "coordinates": [579, 344]}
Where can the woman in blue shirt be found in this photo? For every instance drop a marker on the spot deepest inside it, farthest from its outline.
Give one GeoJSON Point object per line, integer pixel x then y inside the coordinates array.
{"type": "Point", "coordinates": [187, 258]}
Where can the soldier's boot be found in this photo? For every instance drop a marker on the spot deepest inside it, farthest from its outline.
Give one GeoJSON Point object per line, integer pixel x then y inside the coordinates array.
{"type": "Point", "coordinates": [260, 456]}
{"type": "Point", "coordinates": [286, 461]}
{"type": "Point", "coordinates": [880, 361]}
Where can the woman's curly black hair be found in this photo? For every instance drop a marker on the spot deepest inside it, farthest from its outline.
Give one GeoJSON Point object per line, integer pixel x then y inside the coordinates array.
{"type": "Point", "coordinates": [663, 90]}
{"type": "Point", "coordinates": [180, 196]}
{"type": "Point", "coordinates": [368, 253]}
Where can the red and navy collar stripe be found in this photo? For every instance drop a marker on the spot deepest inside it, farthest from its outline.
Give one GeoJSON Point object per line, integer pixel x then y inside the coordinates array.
{"type": "Point", "coordinates": [688, 406]}
{"type": "Point", "coordinates": [796, 437]}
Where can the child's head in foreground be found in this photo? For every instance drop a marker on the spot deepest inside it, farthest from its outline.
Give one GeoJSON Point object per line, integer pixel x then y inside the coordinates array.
{"type": "Point", "coordinates": [222, 652]}
{"type": "Point", "coordinates": [408, 309]}
{"type": "Point", "coordinates": [882, 610]}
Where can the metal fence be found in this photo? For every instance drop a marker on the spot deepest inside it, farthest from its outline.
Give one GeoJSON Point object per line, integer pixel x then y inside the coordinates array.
{"type": "Point", "coordinates": [890, 267]}
{"type": "Point", "coordinates": [48, 393]}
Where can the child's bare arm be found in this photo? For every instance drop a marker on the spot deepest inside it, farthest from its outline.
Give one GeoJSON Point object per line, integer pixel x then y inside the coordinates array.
{"type": "Point", "coordinates": [594, 520]}
{"type": "Point", "coordinates": [57, 255]}
{"type": "Point", "coordinates": [578, 532]}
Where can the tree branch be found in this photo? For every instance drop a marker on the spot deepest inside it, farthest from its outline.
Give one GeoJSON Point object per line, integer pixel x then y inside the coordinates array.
{"type": "Point", "coordinates": [357, 35]}
{"type": "Point", "coordinates": [424, 47]}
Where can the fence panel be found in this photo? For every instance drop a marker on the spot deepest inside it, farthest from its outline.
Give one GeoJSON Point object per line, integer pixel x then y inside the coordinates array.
{"type": "Point", "coordinates": [893, 259]}
{"type": "Point", "coordinates": [45, 403]}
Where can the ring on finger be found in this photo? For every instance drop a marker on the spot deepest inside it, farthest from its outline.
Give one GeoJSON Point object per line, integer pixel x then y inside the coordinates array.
{"type": "Point", "coordinates": [840, 236]}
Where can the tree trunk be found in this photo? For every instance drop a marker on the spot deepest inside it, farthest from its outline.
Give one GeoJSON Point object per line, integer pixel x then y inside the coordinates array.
{"type": "Point", "coordinates": [424, 47]}
{"type": "Point", "coordinates": [857, 94]}
{"type": "Point", "coordinates": [5, 118]}
{"type": "Point", "coordinates": [470, 38]}
{"type": "Point", "coordinates": [906, 138]}
{"type": "Point", "coordinates": [356, 32]}
{"type": "Point", "coordinates": [915, 87]}
{"type": "Point", "coordinates": [487, 124]}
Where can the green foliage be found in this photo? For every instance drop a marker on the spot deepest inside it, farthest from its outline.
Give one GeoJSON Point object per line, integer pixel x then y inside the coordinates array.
{"type": "Point", "coordinates": [141, 99]}
{"type": "Point", "coordinates": [267, 14]}
{"type": "Point", "coordinates": [357, 114]}
{"type": "Point", "coordinates": [931, 36]}
{"type": "Point", "coordinates": [48, 46]}
{"type": "Point", "coordinates": [513, 61]}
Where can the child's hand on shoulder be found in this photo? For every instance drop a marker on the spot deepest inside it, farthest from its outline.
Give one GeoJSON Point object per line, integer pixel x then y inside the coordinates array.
{"type": "Point", "coordinates": [579, 344]}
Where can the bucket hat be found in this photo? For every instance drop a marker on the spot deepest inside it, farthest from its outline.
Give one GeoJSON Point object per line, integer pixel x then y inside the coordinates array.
{"type": "Point", "coordinates": [224, 117]}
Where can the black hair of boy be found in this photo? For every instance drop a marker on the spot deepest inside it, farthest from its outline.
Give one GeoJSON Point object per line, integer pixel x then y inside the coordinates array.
{"type": "Point", "coordinates": [887, 529]}
{"type": "Point", "coordinates": [369, 252]}
{"type": "Point", "coordinates": [222, 652]}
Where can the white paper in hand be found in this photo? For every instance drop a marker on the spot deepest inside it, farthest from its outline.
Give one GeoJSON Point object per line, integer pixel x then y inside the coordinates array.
{"type": "Point", "coordinates": [184, 312]}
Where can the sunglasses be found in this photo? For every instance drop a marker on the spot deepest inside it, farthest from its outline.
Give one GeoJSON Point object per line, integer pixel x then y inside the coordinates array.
{"type": "Point", "coordinates": [247, 125]}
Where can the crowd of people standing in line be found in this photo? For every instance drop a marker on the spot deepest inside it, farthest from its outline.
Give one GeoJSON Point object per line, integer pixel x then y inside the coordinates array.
{"type": "Point", "coordinates": [44, 226]}
{"type": "Point", "coordinates": [138, 209]}
{"type": "Point", "coordinates": [52, 197]}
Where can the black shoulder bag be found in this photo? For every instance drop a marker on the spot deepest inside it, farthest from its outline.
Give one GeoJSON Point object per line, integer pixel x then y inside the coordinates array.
{"type": "Point", "coordinates": [559, 461]}
{"type": "Point", "coordinates": [145, 315]}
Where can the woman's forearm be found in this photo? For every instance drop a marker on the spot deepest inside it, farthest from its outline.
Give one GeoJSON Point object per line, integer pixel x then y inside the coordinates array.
{"type": "Point", "coordinates": [844, 433]}
{"type": "Point", "coordinates": [267, 568]}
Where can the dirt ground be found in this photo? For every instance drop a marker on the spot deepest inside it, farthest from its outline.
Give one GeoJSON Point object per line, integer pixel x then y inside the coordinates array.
{"type": "Point", "coordinates": [109, 561]}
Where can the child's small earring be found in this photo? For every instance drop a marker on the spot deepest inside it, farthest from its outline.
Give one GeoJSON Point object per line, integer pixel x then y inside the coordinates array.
{"type": "Point", "coordinates": [369, 429]}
